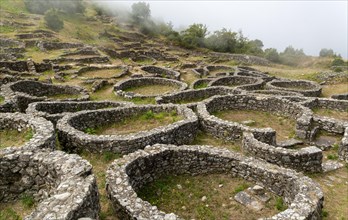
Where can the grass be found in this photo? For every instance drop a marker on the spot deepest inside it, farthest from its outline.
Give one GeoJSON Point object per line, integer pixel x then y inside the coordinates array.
{"type": "Point", "coordinates": [332, 89]}
{"type": "Point", "coordinates": [2, 99]}
{"type": "Point", "coordinates": [100, 163]}
{"type": "Point", "coordinates": [18, 209]}
{"type": "Point", "coordinates": [152, 89]}
{"type": "Point", "coordinates": [38, 56]}
{"type": "Point", "coordinates": [106, 93]}
{"type": "Point", "coordinates": [341, 115]}
{"type": "Point", "coordinates": [284, 126]}
{"type": "Point", "coordinates": [207, 139]}
{"type": "Point", "coordinates": [189, 77]}
{"type": "Point", "coordinates": [201, 85]}
{"type": "Point", "coordinates": [142, 122]}
{"type": "Point", "coordinates": [12, 137]}
{"type": "Point", "coordinates": [103, 73]}
{"type": "Point", "coordinates": [183, 196]}
{"type": "Point", "coordinates": [334, 187]}
{"type": "Point", "coordinates": [142, 101]}
{"type": "Point", "coordinates": [280, 204]}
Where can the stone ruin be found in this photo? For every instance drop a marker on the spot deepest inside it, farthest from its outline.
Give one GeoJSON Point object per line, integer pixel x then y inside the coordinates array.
{"type": "Point", "coordinates": [127, 175]}
{"type": "Point", "coordinates": [121, 87]}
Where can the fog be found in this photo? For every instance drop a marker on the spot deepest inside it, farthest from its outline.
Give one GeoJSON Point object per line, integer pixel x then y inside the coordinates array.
{"type": "Point", "coordinates": [310, 25]}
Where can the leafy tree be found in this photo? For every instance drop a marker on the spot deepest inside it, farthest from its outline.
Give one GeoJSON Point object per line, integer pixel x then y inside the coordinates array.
{"type": "Point", "coordinates": [255, 47]}
{"type": "Point", "coordinates": [292, 56]}
{"type": "Point", "coordinates": [194, 35]}
{"type": "Point", "coordinates": [53, 21]}
{"type": "Point", "coordinates": [338, 62]}
{"type": "Point", "coordinates": [272, 54]}
{"type": "Point", "coordinates": [222, 41]}
{"type": "Point", "coordinates": [141, 11]}
{"type": "Point", "coordinates": [326, 53]}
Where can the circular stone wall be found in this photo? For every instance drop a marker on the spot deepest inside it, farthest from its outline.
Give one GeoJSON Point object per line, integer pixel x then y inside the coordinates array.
{"type": "Point", "coordinates": [26, 92]}
{"type": "Point", "coordinates": [71, 127]}
{"type": "Point", "coordinates": [54, 111]}
{"type": "Point", "coordinates": [122, 86]}
{"type": "Point", "coordinates": [307, 88]}
{"type": "Point", "coordinates": [62, 184]}
{"type": "Point", "coordinates": [127, 175]}
{"type": "Point", "coordinates": [161, 72]}
{"type": "Point", "coordinates": [119, 71]}
{"type": "Point", "coordinates": [233, 130]}
{"type": "Point", "coordinates": [242, 82]}
{"type": "Point", "coordinates": [42, 130]}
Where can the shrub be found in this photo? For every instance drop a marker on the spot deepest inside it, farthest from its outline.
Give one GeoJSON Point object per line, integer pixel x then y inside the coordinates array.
{"type": "Point", "coordinates": [42, 6]}
{"type": "Point", "coordinates": [53, 21]}
{"type": "Point", "coordinates": [280, 204]}
{"type": "Point", "coordinates": [337, 62]}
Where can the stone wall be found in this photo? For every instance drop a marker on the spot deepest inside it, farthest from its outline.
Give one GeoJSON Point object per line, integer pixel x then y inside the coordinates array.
{"type": "Point", "coordinates": [54, 111]}
{"type": "Point", "coordinates": [242, 82]}
{"type": "Point", "coordinates": [233, 130]}
{"type": "Point", "coordinates": [343, 149]}
{"type": "Point", "coordinates": [309, 88]}
{"type": "Point", "coordinates": [197, 83]}
{"type": "Point", "coordinates": [73, 138]}
{"type": "Point", "coordinates": [45, 45]}
{"type": "Point", "coordinates": [123, 85]}
{"type": "Point", "coordinates": [25, 92]}
{"type": "Point", "coordinates": [306, 159]}
{"type": "Point", "coordinates": [127, 175]}
{"type": "Point", "coordinates": [343, 96]}
{"type": "Point", "coordinates": [43, 131]}
{"type": "Point", "coordinates": [62, 184]}
{"type": "Point", "coordinates": [161, 72]}
{"type": "Point", "coordinates": [124, 71]}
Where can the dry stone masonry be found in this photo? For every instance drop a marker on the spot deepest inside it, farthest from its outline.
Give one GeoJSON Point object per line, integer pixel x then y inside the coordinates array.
{"type": "Point", "coordinates": [53, 111]}
{"type": "Point", "coordinates": [62, 184]}
{"type": "Point", "coordinates": [43, 131]}
{"type": "Point", "coordinates": [241, 82]}
{"type": "Point", "coordinates": [127, 175]}
{"type": "Point", "coordinates": [73, 138]}
{"type": "Point", "coordinates": [161, 72]}
{"type": "Point", "coordinates": [25, 92]}
{"type": "Point", "coordinates": [307, 88]}
{"type": "Point", "coordinates": [121, 87]}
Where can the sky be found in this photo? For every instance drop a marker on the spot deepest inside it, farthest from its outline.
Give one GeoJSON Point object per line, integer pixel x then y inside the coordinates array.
{"type": "Point", "coordinates": [308, 25]}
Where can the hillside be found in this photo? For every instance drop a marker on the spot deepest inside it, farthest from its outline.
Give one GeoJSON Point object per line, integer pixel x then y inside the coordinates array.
{"type": "Point", "coordinates": [79, 77]}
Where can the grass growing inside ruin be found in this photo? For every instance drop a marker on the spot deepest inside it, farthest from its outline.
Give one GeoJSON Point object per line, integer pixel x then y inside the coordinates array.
{"type": "Point", "coordinates": [201, 85]}
{"type": "Point", "coordinates": [100, 163]}
{"type": "Point", "coordinates": [18, 209]}
{"type": "Point", "coordinates": [207, 139]}
{"type": "Point", "coordinates": [189, 77]}
{"type": "Point", "coordinates": [152, 89]}
{"type": "Point", "coordinates": [284, 126]}
{"type": "Point", "coordinates": [106, 93]}
{"type": "Point", "coordinates": [142, 122]}
{"type": "Point", "coordinates": [332, 89]}
{"type": "Point", "coordinates": [104, 73]}
{"type": "Point", "coordinates": [297, 87]}
{"type": "Point", "coordinates": [11, 137]}
{"type": "Point", "coordinates": [183, 196]}
{"type": "Point", "coordinates": [341, 115]}
{"type": "Point", "coordinates": [334, 185]}
{"type": "Point", "coordinates": [2, 99]}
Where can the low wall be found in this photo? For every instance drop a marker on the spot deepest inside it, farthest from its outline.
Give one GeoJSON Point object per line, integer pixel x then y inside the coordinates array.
{"type": "Point", "coordinates": [127, 175]}
{"type": "Point", "coordinates": [310, 88]}
{"type": "Point", "coordinates": [70, 129]}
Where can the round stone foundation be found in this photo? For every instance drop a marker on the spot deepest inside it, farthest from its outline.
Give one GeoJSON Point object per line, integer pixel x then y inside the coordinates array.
{"type": "Point", "coordinates": [62, 184]}
{"type": "Point", "coordinates": [307, 88]}
{"type": "Point", "coordinates": [43, 134]}
{"type": "Point", "coordinates": [161, 72]}
{"type": "Point", "coordinates": [127, 175]}
{"type": "Point", "coordinates": [241, 82]}
{"type": "Point", "coordinates": [26, 92]}
{"type": "Point", "coordinates": [73, 138]}
{"type": "Point", "coordinates": [121, 87]}
{"type": "Point", "coordinates": [54, 111]}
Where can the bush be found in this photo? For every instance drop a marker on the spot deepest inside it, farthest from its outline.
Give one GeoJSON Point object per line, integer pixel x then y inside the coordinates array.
{"type": "Point", "coordinates": [337, 62]}
{"type": "Point", "coordinates": [53, 21]}
{"type": "Point", "coordinates": [42, 6]}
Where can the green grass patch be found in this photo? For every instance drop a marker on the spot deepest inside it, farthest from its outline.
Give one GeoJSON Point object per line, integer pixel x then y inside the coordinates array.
{"type": "Point", "coordinates": [152, 89]}
{"type": "Point", "coordinates": [142, 101]}
{"type": "Point", "coordinates": [183, 194]}
{"type": "Point", "coordinates": [201, 85]}
{"type": "Point", "coordinates": [2, 99]}
{"type": "Point", "coordinates": [28, 200]}
{"type": "Point", "coordinates": [241, 188]}
{"type": "Point", "coordinates": [280, 205]}
{"type": "Point", "coordinates": [9, 214]}
{"type": "Point", "coordinates": [12, 137]}
{"type": "Point", "coordinates": [141, 122]}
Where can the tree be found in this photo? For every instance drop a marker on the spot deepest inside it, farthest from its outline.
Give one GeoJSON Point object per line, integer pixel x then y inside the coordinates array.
{"type": "Point", "coordinates": [141, 11]}
{"type": "Point", "coordinates": [222, 41]}
{"type": "Point", "coordinates": [326, 53]}
{"type": "Point", "coordinates": [255, 47]}
{"type": "Point", "coordinates": [53, 21]}
{"type": "Point", "coordinates": [194, 35]}
{"type": "Point", "coordinates": [272, 54]}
